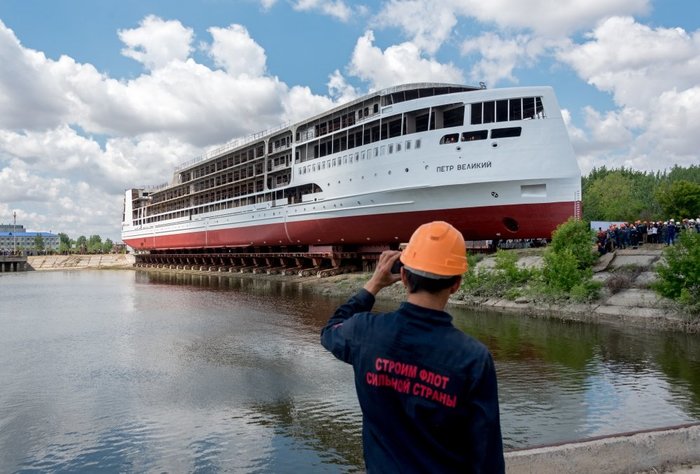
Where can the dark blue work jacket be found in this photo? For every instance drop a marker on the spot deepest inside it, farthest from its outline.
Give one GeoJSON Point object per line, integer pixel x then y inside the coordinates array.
{"type": "Point", "coordinates": [427, 391]}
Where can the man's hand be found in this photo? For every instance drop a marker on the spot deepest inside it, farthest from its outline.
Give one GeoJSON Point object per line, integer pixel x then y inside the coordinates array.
{"type": "Point", "coordinates": [382, 276]}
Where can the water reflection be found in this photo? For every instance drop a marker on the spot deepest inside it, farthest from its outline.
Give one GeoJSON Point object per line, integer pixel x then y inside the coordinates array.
{"type": "Point", "coordinates": [133, 371]}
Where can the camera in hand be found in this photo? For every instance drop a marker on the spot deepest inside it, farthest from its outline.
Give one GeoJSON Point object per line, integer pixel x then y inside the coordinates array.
{"type": "Point", "coordinates": [396, 267]}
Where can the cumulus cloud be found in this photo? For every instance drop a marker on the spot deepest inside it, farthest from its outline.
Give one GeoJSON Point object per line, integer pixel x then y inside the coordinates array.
{"type": "Point", "coordinates": [50, 163]}
{"type": "Point", "coordinates": [498, 57]}
{"type": "Point", "coordinates": [635, 62]}
{"type": "Point", "coordinates": [156, 42]}
{"type": "Point", "coordinates": [397, 64]}
{"type": "Point", "coordinates": [235, 51]}
{"type": "Point", "coordinates": [429, 23]}
{"type": "Point", "coordinates": [29, 98]}
{"type": "Point", "coordinates": [334, 8]}
{"type": "Point", "coordinates": [651, 74]}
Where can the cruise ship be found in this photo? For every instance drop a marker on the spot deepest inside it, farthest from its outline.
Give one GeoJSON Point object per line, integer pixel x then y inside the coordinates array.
{"type": "Point", "coordinates": [495, 163]}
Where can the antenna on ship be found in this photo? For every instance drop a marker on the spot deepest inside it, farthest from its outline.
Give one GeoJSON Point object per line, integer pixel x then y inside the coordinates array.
{"type": "Point", "coordinates": [482, 85]}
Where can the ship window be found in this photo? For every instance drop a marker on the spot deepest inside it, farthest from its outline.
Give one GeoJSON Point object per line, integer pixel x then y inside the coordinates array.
{"type": "Point", "coordinates": [422, 123]}
{"type": "Point", "coordinates": [357, 156]}
{"type": "Point", "coordinates": [476, 135]}
{"type": "Point", "coordinates": [376, 151]}
{"type": "Point", "coordinates": [528, 107]}
{"type": "Point", "coordinates": [476, 114]}
{"type": "Point", "coordinates": [453, 117]}
{"type": "Point", "coordinates": [418, 144]}
{"type": "Point", "coordinates": [375, 109]}
{"type": "Point", "coordinates": [489, 111]}
{"type": "Point", "coordinates": [501, 111]}
{"type": "Point", "coordinates": [363, 156]}
{"type": "Point", "coordinates": [538, 107]}
{"type": "Point", "coordinates": [382, 150]}
{"type": "Point", "coordinates": [408, 145]}
{"type": "Point", "coordinates": [450, 138]}
{"type": "Point", "coordinates": [516, 109]}
{"type": "Point", "coordinates": [398, 147]}
{"type": "Point", "coordinates": [391, 149]}
{"type": "Point", "coordinates": [506, 132]}
{"type": "Point", "coordinates": [333, 161]}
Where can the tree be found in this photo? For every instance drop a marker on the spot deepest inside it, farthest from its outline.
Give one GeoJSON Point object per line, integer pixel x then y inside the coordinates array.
{"type": "Point", "coordinates": [94, 244]}
{"type": "Point", "coordinates": [679, 274]}
{"type": "Point", "coordinates": [612, 198]}
{"type": "Point", "coordinates": [81, 244]}
{"type": "Point", "coordinates": [64, 243]}
{"type": "Point", "coordinates": [39, 243]}
{"type": "Point", "coordinates": [107, 246]}
{"type": "Point", "coordinates": [680, 199]}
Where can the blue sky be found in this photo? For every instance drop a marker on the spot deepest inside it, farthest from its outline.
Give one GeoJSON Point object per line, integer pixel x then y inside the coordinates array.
{"type": "Point", "coordinates": [98, 97]}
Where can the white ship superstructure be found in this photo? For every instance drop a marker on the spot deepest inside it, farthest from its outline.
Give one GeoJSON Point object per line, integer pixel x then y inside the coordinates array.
{"type": "Point", "coordinates": [494, 163]}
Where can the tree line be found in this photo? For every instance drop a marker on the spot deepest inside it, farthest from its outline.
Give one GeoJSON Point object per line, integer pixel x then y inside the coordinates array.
{"type": "Point", "coordinates": [628, 195]}
{"type": "Point", "coordinates": [92, 244]}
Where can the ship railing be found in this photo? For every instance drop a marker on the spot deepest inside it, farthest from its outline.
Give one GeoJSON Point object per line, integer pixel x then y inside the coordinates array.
{"type": "Point", "coordinates": [231, 145]}
{"type": "Point", "coordinates": [155, 187]}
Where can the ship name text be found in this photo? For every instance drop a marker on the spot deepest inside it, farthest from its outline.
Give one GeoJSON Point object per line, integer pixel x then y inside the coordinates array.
{"type": "Point", "coordinates": [462, 167]}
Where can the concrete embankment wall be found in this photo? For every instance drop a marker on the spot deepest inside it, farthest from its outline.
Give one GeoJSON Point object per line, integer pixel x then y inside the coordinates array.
{"type": "Point", "coordinates": [661, 450]}
{"type": "Point", "coordinates": [74, 262]}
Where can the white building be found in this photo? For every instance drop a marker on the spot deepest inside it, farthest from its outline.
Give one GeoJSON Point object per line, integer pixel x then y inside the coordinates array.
{"type": "Point", "coordinates": [16, 238]}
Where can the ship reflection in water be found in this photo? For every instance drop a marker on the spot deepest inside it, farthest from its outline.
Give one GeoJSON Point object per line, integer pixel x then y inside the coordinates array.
{"type": "Point", "coordinates": [125, 371]}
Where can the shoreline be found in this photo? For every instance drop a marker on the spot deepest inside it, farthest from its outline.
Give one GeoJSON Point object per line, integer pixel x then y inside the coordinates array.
{"type": "Point", "coordinates": [635, 306]}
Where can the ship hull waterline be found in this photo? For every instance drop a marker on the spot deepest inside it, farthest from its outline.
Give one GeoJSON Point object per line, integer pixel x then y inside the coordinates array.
{"type": "Point", "coordinates": [517, 221]}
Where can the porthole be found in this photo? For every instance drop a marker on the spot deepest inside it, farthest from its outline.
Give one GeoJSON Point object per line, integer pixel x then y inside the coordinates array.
{"type": "Point", "coordinates": [511, 224]}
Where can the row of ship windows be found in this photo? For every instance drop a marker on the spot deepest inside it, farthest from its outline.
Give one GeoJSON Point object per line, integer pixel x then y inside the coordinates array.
{"type": "Point", "coordinates": [522, 108]}
{"type": "Point", "coordinates": [506, 132]}
{"type": "Point", "coordinates": [360, 155]}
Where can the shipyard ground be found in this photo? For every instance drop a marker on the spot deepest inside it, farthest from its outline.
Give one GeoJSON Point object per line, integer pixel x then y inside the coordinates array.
{"type": "Point", "coordinates": [674, 449]}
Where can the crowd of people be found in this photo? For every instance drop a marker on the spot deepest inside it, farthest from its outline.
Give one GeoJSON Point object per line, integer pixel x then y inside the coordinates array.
{"type": "Point", "coordinates": [632, 235]}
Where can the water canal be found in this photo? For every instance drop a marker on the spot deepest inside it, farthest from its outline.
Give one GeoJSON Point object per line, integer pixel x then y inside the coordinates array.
{"type": "Point", "coordinates": [130, 371]}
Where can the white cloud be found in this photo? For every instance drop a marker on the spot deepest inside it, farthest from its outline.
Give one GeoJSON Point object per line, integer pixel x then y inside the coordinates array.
{"type": "Point", "coordinates": [651, 74]}
{"type": "Point", "coordinates": [235, 51]}
{"type": "Point", "coordinates": [428, 23]}
{"type": "Point", "coordinates": [300, 103]}
{"type": "Point", "coordinates": [157, 42]}
{"type": "Point", "coordinates": [146, 126]}
{"type": "Point", "coordinates": [499, 56]}
{"type": "Point", "coordinates": [397, 64]}
{"type": "Point", "coordinates": [335, 8]}
{"type": "Point", "coordinates": [339, 89]}
{"type": "Point", "coordinates": [635, 62]}
{"type": "Point", "coordinates": [547, 18]}
{"type": "Point", "coordinates": [29, 98]}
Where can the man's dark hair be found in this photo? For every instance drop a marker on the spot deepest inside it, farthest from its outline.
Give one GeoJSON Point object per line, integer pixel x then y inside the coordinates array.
{"type": "Point", "coordinates": [418, 283]}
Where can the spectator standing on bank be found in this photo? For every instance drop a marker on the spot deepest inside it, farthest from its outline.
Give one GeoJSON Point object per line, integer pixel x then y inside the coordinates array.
{"type": "Point", "coordinates": [671, 232]}
{"type": "Point", "coordinates": [427, 390]}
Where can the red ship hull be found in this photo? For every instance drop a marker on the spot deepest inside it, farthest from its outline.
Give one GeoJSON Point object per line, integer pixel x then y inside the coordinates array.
{"type": "Point", "coordinates": [522, 221]}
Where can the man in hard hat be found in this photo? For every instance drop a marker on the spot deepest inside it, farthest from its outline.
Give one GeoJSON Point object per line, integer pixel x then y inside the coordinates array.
{"type": "Point", "coordinates": [427, 391]}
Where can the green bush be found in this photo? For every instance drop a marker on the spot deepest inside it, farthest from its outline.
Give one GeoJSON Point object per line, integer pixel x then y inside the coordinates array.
{"type": "Point", "coordinates": [561, 269]}
{"type": "Point", "coordinates": [576, 236]}
{"type": "Point", "coordinates": [507, 266]}
{"type": "Point", "coordinates": [566, 273]}
{"type": "Point", "coordinates": [679, 275]}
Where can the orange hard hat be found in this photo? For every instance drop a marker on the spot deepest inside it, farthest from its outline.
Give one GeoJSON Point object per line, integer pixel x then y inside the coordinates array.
{"type": "Point", "coordinates": [436, 250]}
